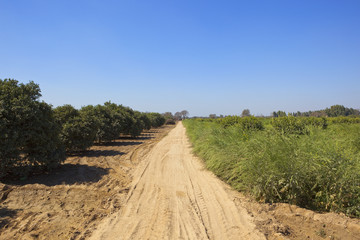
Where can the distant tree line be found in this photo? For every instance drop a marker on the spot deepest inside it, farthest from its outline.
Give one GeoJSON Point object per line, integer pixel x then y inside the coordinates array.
{"type": "Point", "coordinates": [34, 136]}
{"type": "Point", "coordinates": [333, 111]}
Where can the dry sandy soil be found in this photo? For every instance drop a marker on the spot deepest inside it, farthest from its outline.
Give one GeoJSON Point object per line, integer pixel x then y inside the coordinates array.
{"type": "Point", "coordinates": [150, 188]}
{"type": "Point", "coordinates": [69, 202]}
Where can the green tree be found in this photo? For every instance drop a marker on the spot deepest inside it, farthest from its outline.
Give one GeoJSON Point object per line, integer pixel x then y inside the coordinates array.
{"type": "Point", "coordinates": [169, 118]}
{"type": "Point", "coordinates": [29, 135]}
{"type": "Point", "coordinates": [137, 126]}
{"type": "Point", "coordinates": [184, 114]}
{"type": "Point", "coordinates": [64, 113]}
{"type": "Point", "coordinates": [157, 120]}
{"type": "Point", "coordinates": [146, 120]}
{"type": "Point", "coordinates": [105, 119]}
{"type": "Point", "coordinates": [279, 114]}
{"type": "Point", "coordinates": [245, 113]}
{"type": "Point", "coordinates": [336, 110]}
{"type": "Point", "coordinates": [78, 133]}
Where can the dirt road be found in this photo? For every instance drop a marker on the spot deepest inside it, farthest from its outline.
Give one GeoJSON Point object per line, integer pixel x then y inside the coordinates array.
{"type": "Point", "coordinates": [174, 197]}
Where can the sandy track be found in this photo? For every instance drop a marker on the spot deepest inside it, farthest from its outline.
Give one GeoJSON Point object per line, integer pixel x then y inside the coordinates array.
{"type": "Point", "coordinates": [173, 197]}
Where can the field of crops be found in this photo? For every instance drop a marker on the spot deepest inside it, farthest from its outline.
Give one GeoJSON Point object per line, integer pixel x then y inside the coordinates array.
{"type": "Point", "coordinates": [307, 161]}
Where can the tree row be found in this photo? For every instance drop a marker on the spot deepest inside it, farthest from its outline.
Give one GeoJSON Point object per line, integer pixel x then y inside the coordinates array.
{"type": "Point", "coordinates": [34, 136]}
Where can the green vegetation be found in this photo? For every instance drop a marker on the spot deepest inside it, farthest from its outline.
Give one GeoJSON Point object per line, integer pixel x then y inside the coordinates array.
{"type": "Point", "coordinates": [35, 137]}
{"type": "Point", "coordinates": [297, 125]}
{"type": "Point", "coordinates": [310, 162]}
{"type": "Point", "coordinates": [156, 119]}
{"type": "Point", "coordinates": [333, 111]}
{"type": "Point", "coordinates": [29, 138]}
{"type": "Point", "coordinates": [244, 123]}
{"type": "Point", "coordinates": [77, 132]}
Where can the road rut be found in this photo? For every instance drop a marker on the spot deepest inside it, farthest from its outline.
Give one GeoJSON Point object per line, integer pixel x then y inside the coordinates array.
{"type": "Point", "coordinates": [173, 197]}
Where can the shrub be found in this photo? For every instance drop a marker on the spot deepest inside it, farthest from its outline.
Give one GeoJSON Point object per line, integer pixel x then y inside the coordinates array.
{"type": "Point", "coordinates": [318, 122]}
{"type": "Point", "coordinates": [245, 123]}
{"type": "Point", "coordinates": [228, 121]}
{"type": "Point", "coordinates": [298, 125]}
{"type": "Point", "coordinates": [29, 134]}
{"type": "Point", "coordinates": [251, 123]}
{"type": "Point", "coordinates": [346, 120]}
{"type": "Point", "coordinates": [289, 125]}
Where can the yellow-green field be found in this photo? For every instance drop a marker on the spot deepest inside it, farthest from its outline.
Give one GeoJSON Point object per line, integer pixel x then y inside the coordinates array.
{"type": "Point", "coordinates": [310, 162]}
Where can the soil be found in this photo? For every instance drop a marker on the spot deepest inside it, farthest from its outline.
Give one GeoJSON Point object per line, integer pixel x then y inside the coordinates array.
{"type": "Point", "coordinates": [174, 197]}
{"type": "Point", "coordinates": [69, 202]}
{"type": "Point", "coordinates": [150, 188]}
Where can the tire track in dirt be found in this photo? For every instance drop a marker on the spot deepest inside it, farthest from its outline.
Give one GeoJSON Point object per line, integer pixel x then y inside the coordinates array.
{"type": "Point", "coordinates": [173, 197]}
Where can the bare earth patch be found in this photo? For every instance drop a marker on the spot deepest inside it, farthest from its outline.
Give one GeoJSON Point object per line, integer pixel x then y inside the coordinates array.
{"type": "Point", "coordinates": [285, 221]}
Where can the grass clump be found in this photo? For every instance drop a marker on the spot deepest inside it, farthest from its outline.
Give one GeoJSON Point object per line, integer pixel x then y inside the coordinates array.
{"type": "Point", "coordinates": [309, 166]}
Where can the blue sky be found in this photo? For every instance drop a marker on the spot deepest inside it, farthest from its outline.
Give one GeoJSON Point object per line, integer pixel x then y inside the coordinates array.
{"type": "Point", "coordinates": [203, 56]}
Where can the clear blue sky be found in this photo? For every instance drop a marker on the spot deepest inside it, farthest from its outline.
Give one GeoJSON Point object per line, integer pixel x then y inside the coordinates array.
{"type": "Point", "coordinates": [203, 56]}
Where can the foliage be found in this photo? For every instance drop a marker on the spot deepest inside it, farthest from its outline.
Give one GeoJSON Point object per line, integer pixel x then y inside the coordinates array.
{"type": "Point", "coordinates": [65, 113]}
{"type": "Point", "coordinates": [245, 123]}
{"type": "Point", "coordinates": [146, 121]}
{"type": "Point", "coordinates": [346, 120]}
{"type": "Point", "coordinates": [170, 122]}
{"type": "Point", "coordinates": [318, 122]}
{"type": "Point", "coordinates": [245, 113]}
{"type": "Point", "coordinates": [279, 114]}
{"type": "Point", "coordinates": [297, 125]}
{"type": "Point", "coordinates": [157, 120]}
{"type": "Point", "coordinates": [103, 118]}
{"type": "Point", "coordinates": [181, 115]}
{"type": "Point", "coordinates": [339, 110]}
{"type": "Point", "coordinates": [34, 136]}
{"type": "Point", "coordinates": [29, 135]}
{"type": "Point", "coordinates": [289, 125]}
{"type": "Point", "coordinates": [333, 111]}
{"type": "Point", "coordinates": [109, 120]}
{"type": "Point", "coordinates": [319, 170]}
{"type": "Point", "coordinates": [169, 118]}
{"type": "Point", "coordinates": [184, 114]}
{"type": "Point", "coordinates": [78, 133]}
{"type": "Point", "coordinates": [137, 126]}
